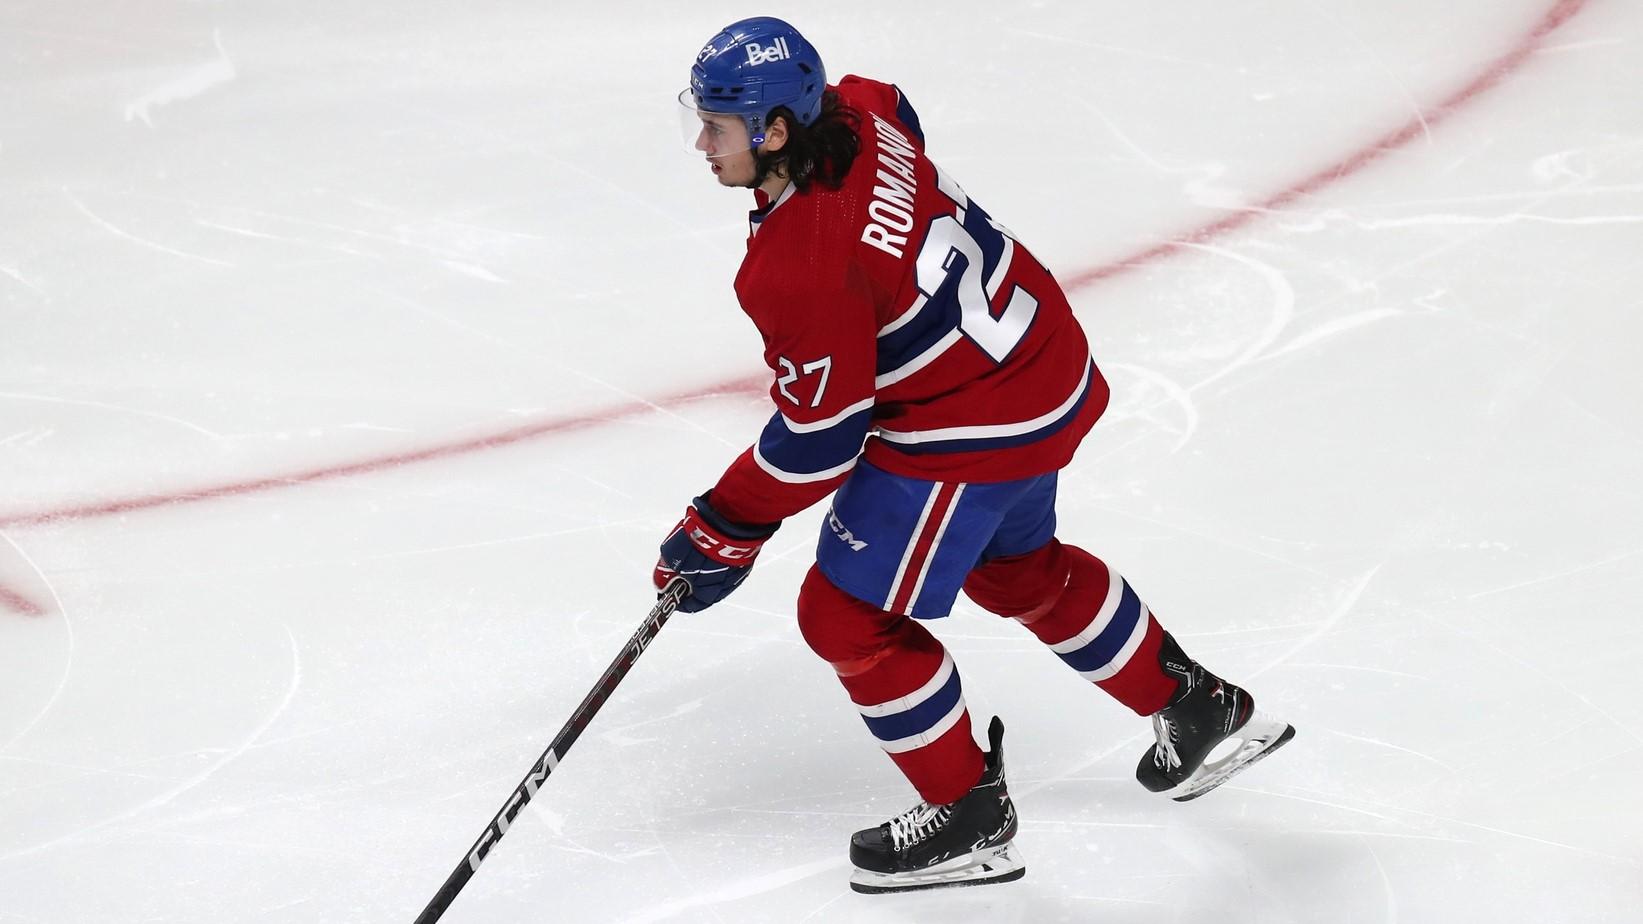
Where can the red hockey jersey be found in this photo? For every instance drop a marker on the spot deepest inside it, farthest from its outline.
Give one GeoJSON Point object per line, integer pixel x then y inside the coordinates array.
{"type": "Point", "coordinates": [905, 326]}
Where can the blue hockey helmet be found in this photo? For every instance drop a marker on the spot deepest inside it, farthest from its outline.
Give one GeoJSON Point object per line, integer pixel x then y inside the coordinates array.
{"type": "Point", "coordinates": [753, 66]}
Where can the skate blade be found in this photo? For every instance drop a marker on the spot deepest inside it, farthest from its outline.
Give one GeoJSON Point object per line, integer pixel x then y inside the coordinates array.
{"type": "Point", "coordinates": [984, 867]}
{"type": "Point", "coordinates": [1260, 736]}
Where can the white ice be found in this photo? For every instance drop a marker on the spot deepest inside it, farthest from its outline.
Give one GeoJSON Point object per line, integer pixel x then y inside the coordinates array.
{"type": "Point", "coordinates": [1375, 451]}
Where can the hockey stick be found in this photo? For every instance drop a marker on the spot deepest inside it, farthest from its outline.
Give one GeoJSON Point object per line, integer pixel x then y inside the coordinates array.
{"type": "Point", "coordinates": [675, 591]}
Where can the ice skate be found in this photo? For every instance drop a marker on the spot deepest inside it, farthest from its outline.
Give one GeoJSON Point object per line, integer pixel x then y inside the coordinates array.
{"type": "Point", "coordinates": [932, 846]}
{"type": "Point", "coordinates": [1205, 718]}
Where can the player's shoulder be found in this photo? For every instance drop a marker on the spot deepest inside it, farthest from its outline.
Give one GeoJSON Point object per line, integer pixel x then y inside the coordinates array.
{"type": "Point", "coordinates": [804, 255]}
{"type": "Point", "coordinates": [807, 245]}
{"type": "Point", "coordinates": [884, 100]}
{"type": "Point", "coordinates": [865, 92]}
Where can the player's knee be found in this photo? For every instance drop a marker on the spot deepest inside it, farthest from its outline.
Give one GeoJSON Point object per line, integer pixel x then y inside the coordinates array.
{"type": "Point", "coordinates": [1086, 574]}
{"type": "Point", "coordinates": [1025, 587]}
{"type": "Point", "coordinates": [845, 632]}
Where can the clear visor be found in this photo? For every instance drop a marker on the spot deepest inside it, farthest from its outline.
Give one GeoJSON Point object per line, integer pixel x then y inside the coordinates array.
{"type": "Point", "coordinates": [711, 134]}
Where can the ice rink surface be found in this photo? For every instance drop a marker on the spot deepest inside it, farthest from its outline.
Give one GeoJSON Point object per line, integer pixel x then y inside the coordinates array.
{"type": "Point", "coordinates": [355, 356]}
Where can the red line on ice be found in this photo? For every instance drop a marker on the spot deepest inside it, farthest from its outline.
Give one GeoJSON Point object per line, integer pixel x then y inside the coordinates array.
{"type": "Point", "coordinates": [380, 463]}
{"type": "Point", "coordinates": [1489, 77]}
{"type": "Point", "coordinates": [12, 600]}
{"type": "Point", "coordinates": [1496, 71]}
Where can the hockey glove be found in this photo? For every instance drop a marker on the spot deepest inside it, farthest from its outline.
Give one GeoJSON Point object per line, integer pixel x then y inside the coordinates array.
{"type": "Point", "coordinates": [710, 552]}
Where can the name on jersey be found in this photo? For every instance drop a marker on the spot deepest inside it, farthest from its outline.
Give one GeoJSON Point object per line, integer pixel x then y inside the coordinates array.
{"type": "Point", "coordinates": [890, 213]}
{"type": "Point", "coordinates": [775, 51]}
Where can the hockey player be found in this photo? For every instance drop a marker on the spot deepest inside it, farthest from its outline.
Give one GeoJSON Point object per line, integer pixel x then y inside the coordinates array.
{"type": "Point", "coordinates": [930, 371]}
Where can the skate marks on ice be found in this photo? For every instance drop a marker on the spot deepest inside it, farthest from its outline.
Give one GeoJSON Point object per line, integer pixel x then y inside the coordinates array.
{"type": "Point", "coordinates": [227, 756]}
{"type": "Point", "coordinates": [1559, 575]}
{"type": "Point", "coordinates": [736, 891]}
{"type": "Point", "coordinates": [1281, 312]}
{"type": "Point", "coordinates": [1416, 824]}
{"type": "Point", "coordinates": [1349, 600]}
{"type": "Point", "coordinates": [1160, 389]}
{"type": "Point", "coordinates": [138, 239]}
{"type": "Point", "coordinates": [117, 408]}
{"type": "Point", "coordinates": [213, 73]}
{"type": "Point", "coordinates": [1349, 597]}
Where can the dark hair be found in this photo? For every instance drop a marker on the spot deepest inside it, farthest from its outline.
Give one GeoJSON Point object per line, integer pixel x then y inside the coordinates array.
{"type": "Point", "coordinates": [822, 150]}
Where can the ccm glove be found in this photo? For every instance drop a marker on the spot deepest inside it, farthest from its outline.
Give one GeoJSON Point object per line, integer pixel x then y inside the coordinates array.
{"type": "Point", "coordinates": [710, 552]}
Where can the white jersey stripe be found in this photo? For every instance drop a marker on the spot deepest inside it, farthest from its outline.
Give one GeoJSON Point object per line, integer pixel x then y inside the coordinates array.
{"type": "Point", "coordinates": [920, 361]}
{"type": "Point", "coordinates": [787, 477]}
{"type": "Point", "coordinates": [906, 316]}
{"type": "Point", "coordinates": [812, 427]}
{"type": "Point", "coordinates": [988, 431]}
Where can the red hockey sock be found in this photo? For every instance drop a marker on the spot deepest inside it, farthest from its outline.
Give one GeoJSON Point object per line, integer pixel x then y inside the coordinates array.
{"type": "Point", "coordinates": [902, 681]}
{"type": "Point", "coordinates": [1087, 614]}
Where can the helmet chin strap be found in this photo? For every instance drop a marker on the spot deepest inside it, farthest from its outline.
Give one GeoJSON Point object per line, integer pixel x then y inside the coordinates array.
{"type": "Point", "coordinates": [764, 162]}
{"type": "Point", "coordinates": [762, 167]}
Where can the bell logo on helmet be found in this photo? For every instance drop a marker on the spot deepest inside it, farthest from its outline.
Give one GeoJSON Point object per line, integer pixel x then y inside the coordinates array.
{"type": "Point", "coordinates": [776, 51]}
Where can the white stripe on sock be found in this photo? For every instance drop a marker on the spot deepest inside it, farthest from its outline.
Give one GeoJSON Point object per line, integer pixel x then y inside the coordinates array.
{"type": "Point", "coordinates": [914, 742]}
{"type": "Point", "coordinates": [1125, 653]}
{"type": "Point", "coordinates": [904, 703]}
{"type": "Point", "coordinates": [1109, 608]}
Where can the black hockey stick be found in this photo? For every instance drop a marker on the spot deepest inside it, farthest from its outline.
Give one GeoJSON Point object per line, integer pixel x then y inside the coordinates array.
{"type": "Point", "coordinates": [675, 591]}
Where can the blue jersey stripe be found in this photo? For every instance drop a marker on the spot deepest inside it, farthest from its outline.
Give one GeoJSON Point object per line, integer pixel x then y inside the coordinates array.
{"type": "Point", "coordinates": [920, 718]}
{"type": "Point", "coordinates": [1099, 653]}
{"type": "Point", "coordinates": [814, 451]}
{"type": "Point", "coordinates": [995, 442]}
{"type": "Point", "coordinates": [906, 116]}
{"type": "Point", "coordinates": [901, 346]}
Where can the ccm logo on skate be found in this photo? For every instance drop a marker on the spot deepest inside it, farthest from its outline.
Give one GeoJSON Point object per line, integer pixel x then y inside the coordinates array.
{"type": "Point", "coordinates": [844, 533]}
{"type": "Point", "coordinates": [773, 52]}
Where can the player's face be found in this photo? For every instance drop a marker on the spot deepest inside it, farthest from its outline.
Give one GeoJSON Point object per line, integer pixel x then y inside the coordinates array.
{"type": "Point", "coordinates": [723, 140]}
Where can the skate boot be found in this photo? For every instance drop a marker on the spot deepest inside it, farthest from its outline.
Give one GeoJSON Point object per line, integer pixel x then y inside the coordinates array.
{"type": "Point", "coordinates": [930, 846]}
{"type": "Point", "coordinates": [1205, 712]}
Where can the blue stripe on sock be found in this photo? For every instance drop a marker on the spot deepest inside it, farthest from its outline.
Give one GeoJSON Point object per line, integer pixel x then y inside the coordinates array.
{"type": "Point", "coordinates": [920, 718]}
{"type": "Point", "coordinates": [1099, 653]}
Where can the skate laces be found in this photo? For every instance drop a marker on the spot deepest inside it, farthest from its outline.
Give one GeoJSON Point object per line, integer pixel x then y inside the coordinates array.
{"type": "Point", "coordinates": [1164, 756]}
{"type": "Point", "coordinates": [917, 823]}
